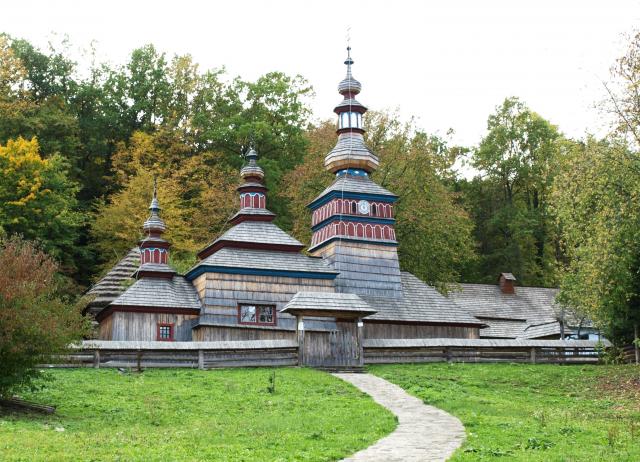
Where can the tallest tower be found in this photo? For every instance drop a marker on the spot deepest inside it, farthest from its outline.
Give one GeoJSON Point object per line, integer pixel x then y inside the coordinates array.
{"type": "Point", "coordinates": [353, 219]}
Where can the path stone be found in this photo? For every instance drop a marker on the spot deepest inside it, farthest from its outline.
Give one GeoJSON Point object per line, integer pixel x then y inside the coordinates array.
{"type": "Point", "coordinates": [424, 433]}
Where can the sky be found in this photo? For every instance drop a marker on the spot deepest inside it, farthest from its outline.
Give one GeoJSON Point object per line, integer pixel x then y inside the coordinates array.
{"type": "Point", "coordinates": [447, 63]}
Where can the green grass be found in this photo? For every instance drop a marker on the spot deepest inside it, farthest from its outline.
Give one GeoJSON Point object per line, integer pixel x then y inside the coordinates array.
{"type": "Point", "coordinates": [533, 412]}
{"type": "Point", "coordinates": [191, 415]}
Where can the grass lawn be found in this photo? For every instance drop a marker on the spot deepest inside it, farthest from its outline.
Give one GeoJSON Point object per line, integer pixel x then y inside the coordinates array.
{"type": "Point", "coordinates": [192, 415]}
{"type": "Point", "coordinates": [533, 412]}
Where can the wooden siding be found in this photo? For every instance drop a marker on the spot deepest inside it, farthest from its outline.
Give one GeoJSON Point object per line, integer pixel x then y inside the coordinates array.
{"type": "Point", "coordinates": [365, 269]}
{"type": "Point", "coordinates": [143, 326]}
{"type": "Point", "coordinates": [221, 293]}
{"type": "Point", "coordinates": [408, 331]}
{"type": "Point", "coordinates": [218, 333]}
{"type": "Point", "coordinates": [105, 328]}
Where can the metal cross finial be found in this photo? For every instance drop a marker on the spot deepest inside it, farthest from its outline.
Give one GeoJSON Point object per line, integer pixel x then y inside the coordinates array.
{"type": "Point", "coordinates": [155, 186]}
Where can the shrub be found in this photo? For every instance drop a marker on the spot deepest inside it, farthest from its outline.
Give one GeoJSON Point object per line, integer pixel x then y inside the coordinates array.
{"type": "Point", "coordinates": [35, 322]}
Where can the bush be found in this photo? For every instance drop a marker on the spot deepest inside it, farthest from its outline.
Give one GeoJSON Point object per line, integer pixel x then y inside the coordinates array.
{"type": "Point", "coordinates": [35, 322]}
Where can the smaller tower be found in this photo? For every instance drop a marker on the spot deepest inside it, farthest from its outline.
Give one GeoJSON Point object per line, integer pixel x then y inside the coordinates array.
{"type": "Point", "coordinates": [253, 192]}
{"type": "Point", "coordinates": [154, 249]}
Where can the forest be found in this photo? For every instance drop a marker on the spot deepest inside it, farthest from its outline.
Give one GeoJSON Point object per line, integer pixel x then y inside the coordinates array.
{"type": "Point", "coordinates": [81, 145]}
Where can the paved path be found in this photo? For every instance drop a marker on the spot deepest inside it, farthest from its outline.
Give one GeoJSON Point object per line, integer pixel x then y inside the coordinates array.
{"type": "Point", "coordinates": [424, 433]}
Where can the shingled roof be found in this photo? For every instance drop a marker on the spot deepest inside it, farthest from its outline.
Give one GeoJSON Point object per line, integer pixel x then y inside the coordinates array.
{"type": "Point", "coordinates": [112, 284]}
{"type": "Point", "coordinates": [175, 292]}
{"type": "Point", "coordinates": [355, 184]}
{"type": "Point", "coordinates": [230, 257]}
{"type": "Point", "coordinates": [335, 304]}
{"type": "Point", "coordinates": [419, 303]}
{"type": "Point", "coordinates": [530, 312]}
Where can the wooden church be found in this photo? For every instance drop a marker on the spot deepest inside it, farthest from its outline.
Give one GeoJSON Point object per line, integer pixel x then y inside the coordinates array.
{"type": "Point", "coordinates": [255, 283]}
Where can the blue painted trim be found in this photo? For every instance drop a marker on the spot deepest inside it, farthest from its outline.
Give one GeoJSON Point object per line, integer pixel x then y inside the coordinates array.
{"type": "Point", "coordinates": [198, 270]}
{"type": "Point", "coordinates": [351, 239]}
{"type": "Point", "coordinates": [351, 195]}
{"type": "Point", "coordinates": [359, 218]}
{"type": "Point", "coordinates": [352, 172]}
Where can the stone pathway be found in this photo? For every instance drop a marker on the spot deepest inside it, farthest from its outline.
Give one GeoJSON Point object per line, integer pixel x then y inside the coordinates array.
{"type": "Point", "coordinates": [424, 433]}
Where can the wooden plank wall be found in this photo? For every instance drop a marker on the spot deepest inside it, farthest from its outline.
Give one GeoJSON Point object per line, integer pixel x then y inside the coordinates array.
{"type": "Point", "coordinates": [220, 293]}
{"type": "Point", "coordinates": [218, 333]}
{"type": "Point", "coordinates": [143, 326]}
{"type": "Point", "coordinates": [365, 269]}
{"type": "Point", "coordinates": [409, 331]}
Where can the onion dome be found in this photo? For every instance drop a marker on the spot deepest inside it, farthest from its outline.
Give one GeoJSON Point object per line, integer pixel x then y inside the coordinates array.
{"type": "Point", "coordinates": [252, 169]}
{"type": "Point", "coordinates": [350, 153]}
{"type": "Point", "coordinates": [154, 223]}
{"type": "Point", "coordinates": [349, 84]}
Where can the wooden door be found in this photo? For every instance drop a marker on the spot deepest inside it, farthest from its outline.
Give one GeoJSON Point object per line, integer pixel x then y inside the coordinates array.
{"type": "Point", "coordinates": [336, 348]}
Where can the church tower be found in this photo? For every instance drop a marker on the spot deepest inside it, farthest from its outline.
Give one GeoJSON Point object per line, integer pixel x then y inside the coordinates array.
{"type": "Point", "coordinates": [353, 219]}
{"type": "Point", "coordinates": [154, 249]}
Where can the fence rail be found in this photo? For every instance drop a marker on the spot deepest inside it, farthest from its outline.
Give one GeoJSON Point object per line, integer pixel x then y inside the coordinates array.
{"type": "Point", "coordinates": [256, 353]}
{"type": "Point", "coordinates": [630, 354]}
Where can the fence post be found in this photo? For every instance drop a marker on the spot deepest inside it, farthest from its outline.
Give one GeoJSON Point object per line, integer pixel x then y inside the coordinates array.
{"type": "Point", "coordinates": [96, 359]}
{"type": "Point", "coordinates": [533, 355]}
{"type": "Point", "coordinates": [200, 359]}
{"type": "Point", "coordinates": [635, 343]}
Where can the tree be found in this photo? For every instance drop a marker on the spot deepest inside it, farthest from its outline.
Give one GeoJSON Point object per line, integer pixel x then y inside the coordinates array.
{"type": "Point", "coordinates": [35, 322]}
{"type": "Point", "coordinates": [624, 94]}
{"type": "Point", "coordinates": [509, 200]}
{"type": "Point", "coordinates": [595, 199]}
{"type": "Point", "coordinates": [197, 195]}
{"type": "Point", "coordinates": [37, 199]}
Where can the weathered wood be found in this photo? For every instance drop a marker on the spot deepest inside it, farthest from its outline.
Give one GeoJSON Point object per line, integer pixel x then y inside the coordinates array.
{"type": "Point", "coordinates": [374, 330]}
{"type": "Point", "coordinates": [22, 405]}
{"type": "Point", "coordinates": [126, 326]}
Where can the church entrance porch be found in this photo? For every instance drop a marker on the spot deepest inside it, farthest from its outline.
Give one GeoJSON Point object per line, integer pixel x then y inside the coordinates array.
{"type": "Point", "coordinates": [337, 349]}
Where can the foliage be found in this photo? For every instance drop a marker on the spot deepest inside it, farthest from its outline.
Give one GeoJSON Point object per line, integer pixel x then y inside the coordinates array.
{"type": "Point", "coordinates": [509, 202]}
{"type": "Point", "coordinates": [206, 415]}
{"type": "Point", "coordinates": [35, 322]}
{"type": "Point", "coordinates": [532, 412]}
{"type": "Point", "coordinates": [197, 196]}
{"type": "Point", "coordinates": [596, 201]}
{"type": "Point", "coordinates": [624, 93]}
{"type": "Point", "coordinates": [37, 199]}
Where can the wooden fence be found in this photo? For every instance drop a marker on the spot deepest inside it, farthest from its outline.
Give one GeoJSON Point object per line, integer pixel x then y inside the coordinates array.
{"type": "Point", "coordinates": [203, 355]}
{"type": "Point", "coordinates": [386, 351]}
{"type": "Point", "coordinates": [630, 354]}
{"type": "Point", "coordinates": [271, 353]}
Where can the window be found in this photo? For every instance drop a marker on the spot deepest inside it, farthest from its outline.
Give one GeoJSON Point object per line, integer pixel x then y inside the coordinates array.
{"type": "Point", "coordinates": [165, 332]}
{"type": "Point", "coordinates": [257, 314]}
{"type": "Point", "coordinates": [374, 210]}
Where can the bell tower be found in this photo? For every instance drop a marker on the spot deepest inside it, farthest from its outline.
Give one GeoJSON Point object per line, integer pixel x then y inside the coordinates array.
{"type": "Point", "coordinates": [353, 219]}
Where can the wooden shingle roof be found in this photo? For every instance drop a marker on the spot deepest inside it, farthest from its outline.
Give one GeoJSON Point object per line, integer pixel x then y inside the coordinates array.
{"type": "Point", "coordinates": [231, 257]}
{"type": "Point", "coordinates": [175, 292]}
{"type": "Point", "coordinates": [328, 304]}
{"type": "Point", "coordinates": [530, 312]}
{"type": "Point", "coordinates": [112, 284]}
{"type": "Point", "coordinates": [353, 184]}
{"type": "Point", "coordinates": [419, 303]}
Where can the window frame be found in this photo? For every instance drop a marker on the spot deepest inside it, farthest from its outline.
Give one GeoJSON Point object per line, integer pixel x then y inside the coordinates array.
{"type": "Point", "coordinates": [258, 307]}
{"type": "Point", "coordinates": [172, 332]}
